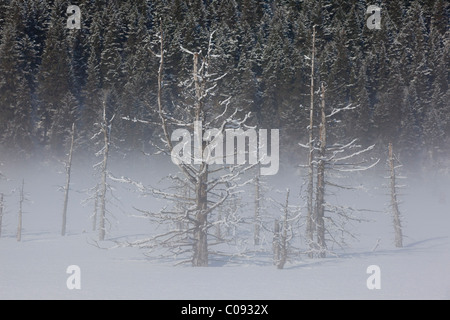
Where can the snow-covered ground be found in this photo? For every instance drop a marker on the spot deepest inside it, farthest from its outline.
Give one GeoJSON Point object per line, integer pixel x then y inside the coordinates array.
{"type": "Point", "coordinates": [35, 268]}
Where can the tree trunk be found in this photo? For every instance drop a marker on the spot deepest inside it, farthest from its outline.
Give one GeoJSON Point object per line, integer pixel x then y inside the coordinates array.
{"type": "Point", "coordinates": [394, 202]}
{"type": "Point", "coordinates": [103, 186]}
{"type": "Point", "coordinates": [200, 258]}
{"type": "Point", "coordinates": [19, 225]}
{"type": "Point", "coordinates": [320, 188]}
{"type": "Point", "coordinates": [66, 189]}
{"type": "Point", "coordinates": [94, 218]}
{"type": "Point", "coordinates": [283, 240]}
{"type": "Point", "coordinates": [256, 236]}
{"type": "Point", "coordinates": [1, 212]}
{"type": "Point", "coordinates": [220, 215]}
{"type": "Point", "coordinates": [310, 224]}
{"type": "Point", "coordinates": [276, 242]}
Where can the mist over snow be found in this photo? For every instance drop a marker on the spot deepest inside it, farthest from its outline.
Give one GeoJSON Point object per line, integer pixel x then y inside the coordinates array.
{"type": "Point", "coordinates": [36, 267]}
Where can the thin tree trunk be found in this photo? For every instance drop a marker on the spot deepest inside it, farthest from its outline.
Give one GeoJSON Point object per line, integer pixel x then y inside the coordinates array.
{"type": "Point", "coordinates": [283, 241]}
{"type": "Point", "coordinates": [159, 96]}
{"type": "Point", "coordinates": [19, 225]}
{"type": "Point", "coordinates": [103, 186]}
{"type": "Point", "coordinates": [218, 228]}
{"type": "Point", "coordinates": [394, 202]}
{"type": "Point", "coordinates": [320, 188]}
{"type": "Point", "coordinates": [66, 189]}
{"type": "Point", "coordinates": [276, 242]}
{"type": "Point", "coordinates": [1, 212]}
{"type": "Point", "coordinates": [220, 215]}
{"type": "Point", "coordinates": [256, 237]}
{"type": "Point", "coordinates": [310, 224]}
{"type": "Point", "coordinates": [200, 258]}
{"type": "Point", "coordinates": [94, 218]}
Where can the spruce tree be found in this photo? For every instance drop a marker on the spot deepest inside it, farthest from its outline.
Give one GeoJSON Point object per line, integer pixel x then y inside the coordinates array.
{"type": "Point", "coordinates": [54, 73]}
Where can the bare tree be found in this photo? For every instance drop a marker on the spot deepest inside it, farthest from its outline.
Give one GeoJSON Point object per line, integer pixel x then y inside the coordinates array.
{"type": "Point", "coordinates": [276, 241]}
{"type": "Point", "coordinates": [105, 126]}
{"type": "Point", "coordinates": [67, 187]}
{"type": "Point", "coordinates": [330, 159]}
{"type": "Point", "coordinates": [211, 182]}
{"type": "Point", "coordinates": [258, 209]}
{"type": "Point", "coordinates": [283, 252]}
{"type": "Point", "coordinates": [95, 213]}
{"type": "Point", "coordinates": [21, 200]}
{"type": "Point", "coordinates": [320, 187]}
{"type": "Point", "coordinates": [394, 202]}
{"type": "Point", "coordinates": [310, 223]}
{"type": "Point", "coordinates": [283, 231]}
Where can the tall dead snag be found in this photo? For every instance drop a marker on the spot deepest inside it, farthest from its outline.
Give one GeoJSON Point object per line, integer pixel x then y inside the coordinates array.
{"type": "Point", "coordinates": [283, 231]}
{"type": "Point", "coordinates": [21, 200]}
{"type": "Point", "coordinates": [67, 187]}
{"type": "Point", "coordinates": [276, 242]}
{"type": "Point", "coordinates": [320, 188]}
{"type": "Point", "coordinates": [95, 213]}
{"type": "Point", "coordinates": [332, 160]}
{"type": "Point", "coordinates": [1, 212]}
{"type": "Point", "coordinates": [257, 231]}
{"type": "Point", "coordinates": [283, 251]}
{"type": "Point", "coordinates": [193, 132]}
{"type": "Point", "coordinates": [220, 215]}
{"type": "Point", "coordinates": [201, 194]}
{"type": "Point", "coordinates": [394, 202]}
{"type": "Point", "coordinates": [105, 125]}
{"type": "Point", "coordinates": [310, 223]}
{"type": "Point", "coordinates": [106, 130]}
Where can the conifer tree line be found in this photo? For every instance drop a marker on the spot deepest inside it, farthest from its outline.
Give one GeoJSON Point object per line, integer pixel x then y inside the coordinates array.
{"type": "Point", "coordinates": [395, 77]}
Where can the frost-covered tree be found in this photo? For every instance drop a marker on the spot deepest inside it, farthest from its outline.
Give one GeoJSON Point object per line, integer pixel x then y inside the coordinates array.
{"type": "Point", "coordinates": [54, 78]}
{"type": "Point", "coordinates": [103, 135]}
{"type": "Point", "coordinates": [68, 167]}
{"type": "Point", "coordinates": [9, 57]}
{"type": "Point", "coordinates": [63, 118]}
{"type": "Point", "coordinates": [331, 158]}
{"type": "Point", "coordinates": [283, 233]}
{"type": "Point", "coordinates": [92, 91]}
{"type": "Point", "coordinates": [265, 48]}
{"type": "Point", "coordinates": [20, 213]}
{"type": "Point", "coordinates": [396, 217]}
{"type": "Point", "coordinates": [211, 182]}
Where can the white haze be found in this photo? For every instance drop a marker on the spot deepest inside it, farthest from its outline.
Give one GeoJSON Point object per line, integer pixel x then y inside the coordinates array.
{"type": "Point", "coordinates": [36, 267]}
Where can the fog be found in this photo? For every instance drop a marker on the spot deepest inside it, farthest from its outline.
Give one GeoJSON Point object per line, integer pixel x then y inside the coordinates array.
{"type": "Point", "coordinates": [366, 239]}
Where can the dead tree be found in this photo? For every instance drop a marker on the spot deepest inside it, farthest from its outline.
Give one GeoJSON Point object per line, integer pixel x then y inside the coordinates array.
{"type": "Point", "coordinates": [337, 158]}
{"type": "Point", "coordinates": [1, 212]}
{"type": "Point", "coordinates": [394, 202]}
{"type": "Point", "coordinates": [95, 213]}
{"type": "Point", "coordinates": [320, 186]}
{"type": "Point", "coordinates": [331, 159]}
{"type": "Point", "coordinates": [276, 242]}
{"type": "Point", "coordinates": [257, 231]}
{"type": "Point", "coordinates": [21, 200]}
{"type": "Point", "coordinates": [283, 252]}
{"type": "Point", "coordinates": [105, 132]}
{"type": "Point", "coordinates": [210, 181]}
{"type": "Point", "coordinates": [220, 215]}
{"type": "Point", "coordinates": [283, 231]}
{"type": "Point", "coordinates": [328, 159]}
{"type": "Point", "coordinates": [67, 187]}
{"type": "Point", "coordinates": [310, 223]}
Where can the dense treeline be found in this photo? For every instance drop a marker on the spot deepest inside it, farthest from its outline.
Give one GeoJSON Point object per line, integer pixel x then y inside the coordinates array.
{"type": "Point", "coordinates": [397, 76]}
